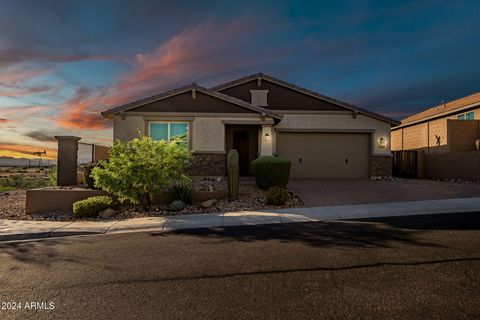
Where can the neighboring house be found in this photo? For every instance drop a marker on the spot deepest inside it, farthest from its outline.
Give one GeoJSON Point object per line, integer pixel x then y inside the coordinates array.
{"type": "Point", "coordinates": [445, 137]}
{"type": "Point", "coordinates": [262, 115]}
{"type": "Point", "coordinates": [449, 127]}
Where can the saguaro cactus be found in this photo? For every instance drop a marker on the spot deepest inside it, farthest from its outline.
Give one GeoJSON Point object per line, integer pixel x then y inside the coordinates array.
{"type": "Point", "coordinates": [233, 172]}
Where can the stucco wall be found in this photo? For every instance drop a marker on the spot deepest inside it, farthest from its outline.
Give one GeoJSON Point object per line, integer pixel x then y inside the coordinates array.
{"type": "Point", "coordinates": [208, 132]}
{"type": "Point", "coordinates": [347, 122]}
{"type": "Point", "coordinates": [453, 165]}
{"type": "Point", "coordinates": [127, 129]}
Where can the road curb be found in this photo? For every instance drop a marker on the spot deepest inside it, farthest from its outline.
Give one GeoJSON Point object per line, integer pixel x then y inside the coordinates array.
{"type": "Point", "coordinates": [281, 216]}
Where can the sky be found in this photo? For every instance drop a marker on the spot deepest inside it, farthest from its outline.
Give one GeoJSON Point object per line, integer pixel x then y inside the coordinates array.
{"type": "Point", "coordinates": [62, 62]}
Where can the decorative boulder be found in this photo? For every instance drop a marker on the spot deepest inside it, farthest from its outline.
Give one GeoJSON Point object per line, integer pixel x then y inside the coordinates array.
{"type": "Point", "coordinates": [107, 213]}
{"type": "Point", "coordinates": [208, 203]}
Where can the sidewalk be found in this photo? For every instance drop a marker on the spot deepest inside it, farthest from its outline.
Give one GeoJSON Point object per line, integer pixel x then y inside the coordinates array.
{"type": "Point", "coordinates": [22, 230]}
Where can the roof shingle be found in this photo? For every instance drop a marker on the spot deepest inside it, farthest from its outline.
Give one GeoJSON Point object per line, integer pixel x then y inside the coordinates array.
{"type": "Point", "coordinates": [446, 108]}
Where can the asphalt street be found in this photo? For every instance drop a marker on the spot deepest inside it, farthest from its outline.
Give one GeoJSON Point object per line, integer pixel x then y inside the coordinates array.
{"type": "Point", "coordinates": [424, 267]}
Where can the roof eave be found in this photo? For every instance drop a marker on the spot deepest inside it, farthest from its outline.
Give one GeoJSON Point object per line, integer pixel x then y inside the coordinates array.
{"type": "Point", "coordinates": [314, 94]}
{"type": "Point", "coordinates": [123, 108]}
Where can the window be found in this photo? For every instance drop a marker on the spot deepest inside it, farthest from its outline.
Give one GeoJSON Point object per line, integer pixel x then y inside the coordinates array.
{"type": "Point", "coordinates": [466, 116]}
{"type": "Point", "coordinates": [169, 131]}
{"type": "Point", "coordinates": [259, 97]}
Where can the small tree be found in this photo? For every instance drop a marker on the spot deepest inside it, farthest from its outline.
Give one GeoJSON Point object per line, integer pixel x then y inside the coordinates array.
{"type": "Point", "coordinates": [140, 167]}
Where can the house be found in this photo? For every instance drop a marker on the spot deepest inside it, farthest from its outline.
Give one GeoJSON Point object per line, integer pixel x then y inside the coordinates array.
{"type": "Point", "coordinates": [445, 139]}
{"type": "Point", "coordinates": [262, 115]}
{"type": "Point", "coordinates": [449, 127]}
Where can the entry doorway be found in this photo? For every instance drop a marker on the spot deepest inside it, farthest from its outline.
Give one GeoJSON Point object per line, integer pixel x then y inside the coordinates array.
{"type": "Point", "coordinates": [244, 139]}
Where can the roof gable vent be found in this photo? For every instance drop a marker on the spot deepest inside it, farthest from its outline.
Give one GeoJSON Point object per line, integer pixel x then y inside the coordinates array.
{"type": "Point", "coordinates": [259, 98]}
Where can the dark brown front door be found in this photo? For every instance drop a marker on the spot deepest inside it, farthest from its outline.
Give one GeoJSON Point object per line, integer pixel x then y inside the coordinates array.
{"type": "Point", "coordinates": [244, 139]}
{"type": "Point", "coordinates": [241, 144]}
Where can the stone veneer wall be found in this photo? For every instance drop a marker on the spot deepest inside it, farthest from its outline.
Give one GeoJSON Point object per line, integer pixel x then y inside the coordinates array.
{"type": "Point", "coordinates": [381, 166]}
{"type": "Point", "coordinates": [208, 164]}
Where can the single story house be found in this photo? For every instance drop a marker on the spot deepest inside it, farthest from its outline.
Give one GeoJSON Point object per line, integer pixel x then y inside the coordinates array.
{"type": "Point", "coordinates": [449, 127]}
{"type": "Point", "coordinates": [262, 115]}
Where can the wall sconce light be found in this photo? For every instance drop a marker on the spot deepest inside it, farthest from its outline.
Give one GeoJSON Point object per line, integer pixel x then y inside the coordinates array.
{"type": "Point", "coordinates": [382, 143]}
{"type": "Point", "coordinates": [267, 137]}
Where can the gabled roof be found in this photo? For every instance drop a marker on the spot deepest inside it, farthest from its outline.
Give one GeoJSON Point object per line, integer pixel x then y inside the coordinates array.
{"type": "Point", "coordinates": [110, 112]}
{"type": "Point", "coordinates": [444, 109]}
{"type": "Point", "coordinates": [304, 91]}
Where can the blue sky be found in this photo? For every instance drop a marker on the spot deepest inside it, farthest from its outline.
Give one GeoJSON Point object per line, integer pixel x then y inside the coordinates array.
{"type": "Point", "coordinates": [61, 62]}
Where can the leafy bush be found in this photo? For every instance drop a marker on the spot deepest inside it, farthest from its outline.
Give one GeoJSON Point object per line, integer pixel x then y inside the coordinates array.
{"type": "Point", "coordinates": [90, 207]}
{"type": "Point", "coordinates": [138, 168]}
{"type": "Point", "coordinates": [271, 171]}
{"type": "Point", "coordinates": [5, 188]}
{"type": "Point", "coordinates": [277, 196]}
{"type": "Point", "coordinates": [177, 205]}
{"type": "Point", "coordinates": [52, 175]}
{"type": "Point", "coordinates": [182, 191]}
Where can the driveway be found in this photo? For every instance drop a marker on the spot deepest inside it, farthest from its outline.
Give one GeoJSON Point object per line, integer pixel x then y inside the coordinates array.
{"type": "Point", "coordinates": [325, 192]}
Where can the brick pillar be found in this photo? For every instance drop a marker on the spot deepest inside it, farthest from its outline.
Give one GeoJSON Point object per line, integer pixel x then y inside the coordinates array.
{"type": "Point", "coordinates": [67, 160]}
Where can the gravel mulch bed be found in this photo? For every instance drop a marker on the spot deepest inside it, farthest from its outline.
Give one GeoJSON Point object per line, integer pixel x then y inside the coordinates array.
{"type": "Point", "coordinates": [12, 203]}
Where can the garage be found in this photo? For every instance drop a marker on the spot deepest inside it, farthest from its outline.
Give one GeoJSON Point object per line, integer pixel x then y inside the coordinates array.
{"type": "Point", "coordinates": [326, 154]}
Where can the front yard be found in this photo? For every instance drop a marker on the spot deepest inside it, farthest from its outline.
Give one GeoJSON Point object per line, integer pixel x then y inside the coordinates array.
{"type": "Point", "coordinates": [251, 198]}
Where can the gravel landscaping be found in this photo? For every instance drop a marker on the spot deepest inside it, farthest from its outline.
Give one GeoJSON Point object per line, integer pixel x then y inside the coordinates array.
{"type": "Point", "coordinates": [12, 203]}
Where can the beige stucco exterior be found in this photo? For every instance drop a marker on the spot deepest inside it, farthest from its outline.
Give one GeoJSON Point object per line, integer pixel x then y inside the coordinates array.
{"type": "Point", "coordinates": [207, 132]}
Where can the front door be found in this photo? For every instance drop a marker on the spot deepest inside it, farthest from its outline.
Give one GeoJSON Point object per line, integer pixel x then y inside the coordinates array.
{"type": "Point", "coordinates": [241, 144]}
{"type": "Point", "coordinates": [244, 139]}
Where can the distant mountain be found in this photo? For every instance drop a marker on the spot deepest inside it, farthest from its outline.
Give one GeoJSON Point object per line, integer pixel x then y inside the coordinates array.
{"type": "Point", "coordinates": [24, 162]}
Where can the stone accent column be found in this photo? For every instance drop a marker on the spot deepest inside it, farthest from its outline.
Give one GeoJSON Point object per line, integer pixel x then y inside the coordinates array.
{"type": "Point", "coordinates": [266, 141]}
{"type": "Point", "coordinates": [67, 160]}
{"type": "Point", "coordinates": [381, 166]}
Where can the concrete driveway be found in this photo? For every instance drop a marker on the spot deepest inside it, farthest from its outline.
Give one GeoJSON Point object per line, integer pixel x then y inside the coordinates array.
{"type": "Point", "coordinates": [325, 192]}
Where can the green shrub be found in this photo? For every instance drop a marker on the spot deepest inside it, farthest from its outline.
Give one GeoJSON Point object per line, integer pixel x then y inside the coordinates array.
{"type": "Point", "coordinates": [24, 182]}
{"type": "Point", "coordinates": [271, 171]}
{"type": "Point", "coordinates": [177, 205]}
{"type": "Point", "coordinates": [277, 196]}
{"type": "Point", "coordinates": [182, 191]}
{"type": "Point", "coordinates": [140, 167]}
{"type": "Point", "coordinates": [52, 175]}
{"type": "Point", "coordinates": [90, 207]}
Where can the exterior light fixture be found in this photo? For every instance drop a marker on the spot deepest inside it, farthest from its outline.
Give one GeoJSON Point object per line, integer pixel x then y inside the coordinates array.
{"type": "Point", "coordinates": [382, 143]}
{"type": "Point", "coordinates": [267, 137]}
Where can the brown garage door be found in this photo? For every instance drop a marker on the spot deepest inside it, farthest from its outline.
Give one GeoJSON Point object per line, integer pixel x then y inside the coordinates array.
{"type": "Point", "coordinates": [326, 155]}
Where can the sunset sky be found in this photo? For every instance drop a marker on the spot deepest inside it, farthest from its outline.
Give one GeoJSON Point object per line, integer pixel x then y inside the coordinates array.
{"type": "Point", "coordinates": [62, 62]}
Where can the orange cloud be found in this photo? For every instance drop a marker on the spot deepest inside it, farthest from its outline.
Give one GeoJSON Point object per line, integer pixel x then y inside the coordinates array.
{"type": "Point", "coordinates": [202, 51]}
{"type": "Point", "coordinates": [82, 111]}
{"type": "Point", "coordinates": [19, 151]}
